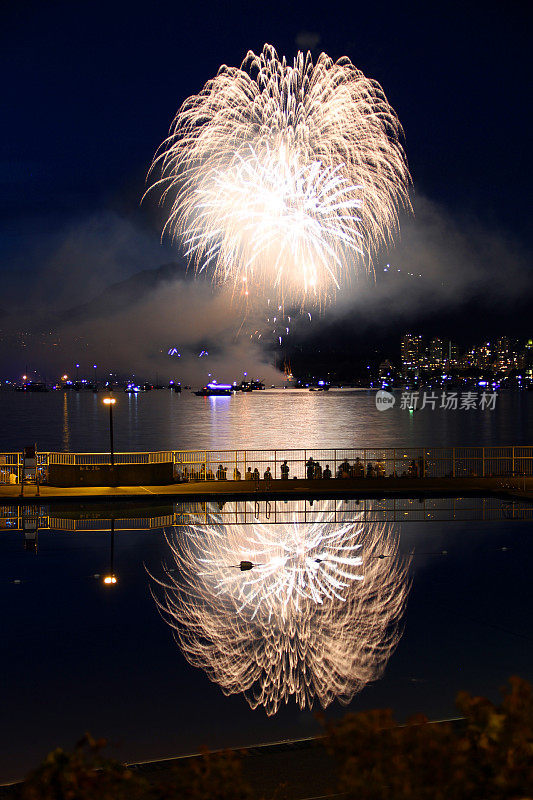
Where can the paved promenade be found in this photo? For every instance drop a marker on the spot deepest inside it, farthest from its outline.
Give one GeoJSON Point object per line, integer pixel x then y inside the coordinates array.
{"type": "Point", "coordinates": [510, 488]}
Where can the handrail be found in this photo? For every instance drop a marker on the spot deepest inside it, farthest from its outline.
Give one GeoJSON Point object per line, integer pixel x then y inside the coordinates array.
{"type": "Point", "coordinates": [228, 464]}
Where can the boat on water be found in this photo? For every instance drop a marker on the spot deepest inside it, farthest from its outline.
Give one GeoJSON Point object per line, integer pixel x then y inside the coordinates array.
{"type": "Point", "coordinates": [215, 389]}
{"type": "Point", "coordinates": [249, 386]}
{"type": "Point", "coordinates": [32, 386]}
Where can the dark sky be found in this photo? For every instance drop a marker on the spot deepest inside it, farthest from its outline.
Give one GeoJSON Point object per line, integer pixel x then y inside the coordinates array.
{"type": "Point", "coordinates": [90, 88]}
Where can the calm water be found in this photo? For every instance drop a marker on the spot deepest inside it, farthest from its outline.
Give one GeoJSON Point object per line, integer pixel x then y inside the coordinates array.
{"type": "Point", "coordinates": [160, 420]}
{"type": "Point", "coordinates": [76, 655]}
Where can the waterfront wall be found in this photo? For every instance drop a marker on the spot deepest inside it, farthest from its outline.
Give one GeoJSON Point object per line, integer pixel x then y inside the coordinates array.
{"type": "Point", "coordinates": [106, 475]}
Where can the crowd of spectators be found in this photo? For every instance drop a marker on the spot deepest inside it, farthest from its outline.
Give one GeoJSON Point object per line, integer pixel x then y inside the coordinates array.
{"type": "Point", "coordinates": [313, 471]}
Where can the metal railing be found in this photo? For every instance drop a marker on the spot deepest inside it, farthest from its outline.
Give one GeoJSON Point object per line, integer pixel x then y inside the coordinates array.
{"type": "Point", "coordinates": [103, 459]}
{"type": "Point", "coordinates": [445, 462]}
{"type": "Point", "coordinates": [10, 467]}
{"type": "Point", "coordinates": [212, 465]}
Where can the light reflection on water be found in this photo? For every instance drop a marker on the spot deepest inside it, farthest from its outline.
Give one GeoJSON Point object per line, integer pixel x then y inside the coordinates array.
{"type": "Point", "coordinates": [313, 614]}
{"type": "Point", "coordinates": [265, 419]}
{"type": "Point", "coordinates": [107, 662]}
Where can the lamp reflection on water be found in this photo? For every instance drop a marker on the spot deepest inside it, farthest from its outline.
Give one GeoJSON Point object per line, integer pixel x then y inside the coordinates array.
{"type": "Point", "coordinates": [110, 578]}
{"type": "Point", "coordinates": [316, 617]}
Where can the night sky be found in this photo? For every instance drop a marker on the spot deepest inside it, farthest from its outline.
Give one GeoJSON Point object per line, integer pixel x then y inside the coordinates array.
{"type": "Point", "coordinates": [91, 88]}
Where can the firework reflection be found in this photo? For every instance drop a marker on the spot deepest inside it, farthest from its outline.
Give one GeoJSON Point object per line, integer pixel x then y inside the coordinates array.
{"type": "Point", "coordinates": [317, 616]}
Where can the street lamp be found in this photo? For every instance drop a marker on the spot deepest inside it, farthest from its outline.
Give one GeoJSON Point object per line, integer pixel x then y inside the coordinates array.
{"type": "Point", "coordinates": [110, 401]}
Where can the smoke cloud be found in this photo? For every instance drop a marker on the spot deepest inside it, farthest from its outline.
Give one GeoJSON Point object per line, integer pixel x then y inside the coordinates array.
{"type": "Point", "coordinates": [440, 263]}
{"type": "Point", "coordinates": [105, 299]}
{"type": "Point", "coordinates": [189, 319]}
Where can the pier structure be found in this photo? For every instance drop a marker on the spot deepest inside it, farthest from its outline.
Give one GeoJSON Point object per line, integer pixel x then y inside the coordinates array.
{"type": "Point", "coordinates": [284, 464]}
{"type": "Point", "coordinates": [366, 472]}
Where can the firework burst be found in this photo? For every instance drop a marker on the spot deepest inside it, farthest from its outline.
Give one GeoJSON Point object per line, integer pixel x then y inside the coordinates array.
{"type": "Point", "coordinates": [284, 176]}
{"type": "Point", "coordinates": [316, 618]}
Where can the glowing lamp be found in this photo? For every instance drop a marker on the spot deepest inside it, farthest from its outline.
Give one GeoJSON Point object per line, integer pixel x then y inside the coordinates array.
{"type": "Point", "coordinates": [109, 401]}
{"type": "Point", "coordinates": [110, 580]}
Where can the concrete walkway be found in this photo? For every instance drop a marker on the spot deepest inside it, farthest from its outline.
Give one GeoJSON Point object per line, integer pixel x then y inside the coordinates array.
{"type": "Point", "coordinates": [507, 488]}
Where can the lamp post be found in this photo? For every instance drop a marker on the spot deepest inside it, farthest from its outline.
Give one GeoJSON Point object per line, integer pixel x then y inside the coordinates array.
{"type": "Point", "coordinates": [95, 382]}
{"type": "Point", "coordinates": [110, 401]}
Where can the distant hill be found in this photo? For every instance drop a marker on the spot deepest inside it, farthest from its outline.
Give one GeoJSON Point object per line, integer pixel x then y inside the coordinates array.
{"type": "Point", "coordinates": [119, 296]}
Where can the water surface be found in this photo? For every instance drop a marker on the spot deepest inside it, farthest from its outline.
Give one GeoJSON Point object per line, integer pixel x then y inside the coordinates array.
{"type": "Point", "coordinates": [161, 420]}
{"type": "Point", "coordinates": [77, 655]}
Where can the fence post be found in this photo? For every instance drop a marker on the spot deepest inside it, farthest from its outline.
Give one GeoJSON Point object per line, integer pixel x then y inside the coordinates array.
{"type": "Point", "coordinates": [513, 467]}
{"type": "Point", "coordinates": [275, 464]}
{"type": "Point", "coordinates": [453, 462]}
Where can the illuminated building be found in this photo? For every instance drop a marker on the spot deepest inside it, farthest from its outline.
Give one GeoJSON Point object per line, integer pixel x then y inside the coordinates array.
{"type": "Point", "coordinates": [436, 353]}
{"type": "Point", "coordinates": [506, 357]}
{"type": "Point", "coordinates": [452, 357]}
{"type": "Point", "coordinates": [412, 352]}
{"type": "Point", "coordinates": [528, 359]}
{"type": "Point", "coordinates": [385, 370]}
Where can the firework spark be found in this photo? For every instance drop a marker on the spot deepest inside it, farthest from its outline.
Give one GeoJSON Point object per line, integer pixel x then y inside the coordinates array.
{"type": "Point", "coordinates": [285, 176]}
{"type": "Point", "coordinates": [316, 617]}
